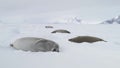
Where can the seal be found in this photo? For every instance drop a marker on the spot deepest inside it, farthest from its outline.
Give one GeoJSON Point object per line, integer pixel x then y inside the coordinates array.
{"type": "Point", "coordinates": [48, 26]}
{"type": "Point", "coordinates": [34, 44]}
{"type": "Point", "coordinates": [88, 39]}
{"type": "Point", "coordinates": [61, 31]}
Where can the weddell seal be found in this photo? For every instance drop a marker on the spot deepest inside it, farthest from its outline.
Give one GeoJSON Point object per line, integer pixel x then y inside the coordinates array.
{"type": "Point", "coordinates": [35, 44]}
{"type": "Point", "coordinates": [88, 39]}
{"type": "Point", "coordinates": [61, 31]}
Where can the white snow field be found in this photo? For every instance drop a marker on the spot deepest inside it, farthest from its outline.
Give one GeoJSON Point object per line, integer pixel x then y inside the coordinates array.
{"type": "Point", "coordinates": [71, 55]}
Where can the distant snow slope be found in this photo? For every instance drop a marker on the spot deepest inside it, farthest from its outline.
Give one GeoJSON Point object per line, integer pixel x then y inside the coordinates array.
{"type": "Point", "coordinates": [71, 55]}
{"type": "Point", "coordinates": [28, 17]}
{"type": "Point", "coordinates": [39, 20]}
{"type": "Point", "coordinates": [115, 20]}
{"type": "Point", "coordinates": [69, 20]}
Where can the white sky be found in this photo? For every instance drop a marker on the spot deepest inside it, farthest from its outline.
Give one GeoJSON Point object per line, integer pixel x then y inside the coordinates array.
{"type": "Point", "coordinates": [90, 10]}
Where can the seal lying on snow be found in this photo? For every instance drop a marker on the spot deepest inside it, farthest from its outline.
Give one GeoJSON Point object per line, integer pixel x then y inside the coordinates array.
{"type": "Point", "coordinates": [35, 44]}
{"type": "Point", "coordinates": [48, 26]}
{"type": "Point", "coordinates": [60, 31]}
{"type": "Point", "coordinates": [88, 39]}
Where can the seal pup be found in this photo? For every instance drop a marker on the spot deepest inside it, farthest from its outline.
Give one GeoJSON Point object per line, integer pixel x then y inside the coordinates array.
{"type": "Point", "coordinates": [35, 44]}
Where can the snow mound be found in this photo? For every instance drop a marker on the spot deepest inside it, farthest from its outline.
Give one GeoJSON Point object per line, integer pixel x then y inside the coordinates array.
{"type": "Point", "coordinates": [115, 20]}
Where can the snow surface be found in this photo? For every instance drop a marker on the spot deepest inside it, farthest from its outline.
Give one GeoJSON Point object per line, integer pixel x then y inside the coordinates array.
{"type": "Point", "coordinates": [71, 55]}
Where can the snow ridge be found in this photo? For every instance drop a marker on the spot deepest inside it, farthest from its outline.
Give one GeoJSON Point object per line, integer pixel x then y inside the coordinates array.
{"type": "Point", "coordinates": [115, 20]}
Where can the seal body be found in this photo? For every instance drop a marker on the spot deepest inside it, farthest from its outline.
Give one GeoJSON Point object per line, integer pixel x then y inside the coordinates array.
{"type": "Point", "coordinates": [48, 26]}
{"type": "Point", "coordinates": [88, 39]}
{"type": "Point", "coordinates": [61, 31]}
{"type": "Point", "coordinates": [35, 44]}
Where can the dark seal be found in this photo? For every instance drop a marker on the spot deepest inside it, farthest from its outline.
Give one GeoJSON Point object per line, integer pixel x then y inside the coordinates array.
{"type": "Point", "coordinates": [88, 39]}
{"type": "Point", "coordinates": [61, 31]}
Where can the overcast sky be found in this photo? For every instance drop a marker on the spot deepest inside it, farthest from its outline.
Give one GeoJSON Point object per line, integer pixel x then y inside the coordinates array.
{"type": "Point", "coordinates": [86, 9]}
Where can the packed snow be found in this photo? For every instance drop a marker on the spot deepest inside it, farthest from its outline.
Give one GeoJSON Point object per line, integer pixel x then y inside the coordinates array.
{"type": "Point", "coordinates": [71, 55]}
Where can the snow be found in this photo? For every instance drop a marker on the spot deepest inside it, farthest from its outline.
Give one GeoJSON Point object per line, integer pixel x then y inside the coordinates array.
{"type": "Point", "coordinates": [115, 20]}
{"type": "Point", "coordinates": [71, 55]}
